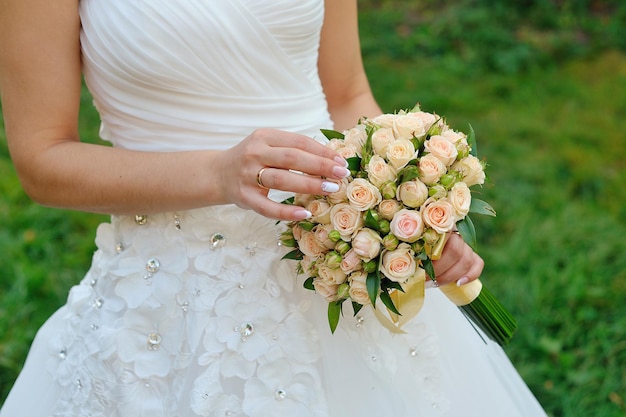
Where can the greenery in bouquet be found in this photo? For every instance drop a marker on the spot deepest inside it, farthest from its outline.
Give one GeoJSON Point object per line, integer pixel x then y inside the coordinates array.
{"type": "Point", "coordinates": [375, 239]}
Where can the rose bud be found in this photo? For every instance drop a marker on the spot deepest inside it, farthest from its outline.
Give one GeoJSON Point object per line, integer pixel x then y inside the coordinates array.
{"type": "Point", "coordinates": [332, 259]}
{"type": "Point", "coordinates": [335, 236]}
{"type": "Point", "coordinates": [343, 291]}
{"type": "Point", "coordinates": [370, 266]}
{"type": "Point", "coordinates": [388, 190]}
{"type": "Point", "coordinates": [342, 247]}
{"type": "Point", "coordinates": [390, 242]}
{"type": "Point", "coordinates": [384, 226]}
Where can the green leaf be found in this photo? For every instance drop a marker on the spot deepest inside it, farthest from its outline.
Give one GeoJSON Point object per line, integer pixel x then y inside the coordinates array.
{"type": "Point", "coordinates": [370, 221]}
{"type": "Point", "coordinates": [334, 312]}
{"type": "Point", "coordinates": [467, 231]}
{"type": "Point", "coordinates": [388, 284]}
{"type": "Point", "coordinates": [332, 134]}
{"type": "Point", "coordinates": [289, 200]}
{"type": "Point", "coordinates": [429, 268]}
{"type": "Point", "coordinates": [306, 225]}
{"type": "Point", "coordinates": [354, 163]}
{"type": "Point", "coordinates": [294, 255]}
{"type": "Point", "coordinates": [356, 307]}
{"type": "Point", "coordinates": [471, 140]}
{"type": "Point", "coordinates": [388, 302]}
{"type": "Point", "coordinates": [481, 207]}
{"type": "Point", "coordinates": [308, 284]}
{"type": "Point", "coordinates": [410, 172]}
{"type": "Point", "coordinates": [373, 286]}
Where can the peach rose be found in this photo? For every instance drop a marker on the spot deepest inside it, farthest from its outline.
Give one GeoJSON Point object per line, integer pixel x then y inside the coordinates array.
{"type": "Point", "coordinates": [346, 220]}
{"type": "Point", "coordinates": [428, 119]}
{"type": "Point", "coordinates": [362, 194]}
{"type": "Point", "coordinates": [326, 289]}
{"type": "Point", "coordinates": [340, 195]}
{"type": "Point", "coordinates": [309, 246]}
{"type": "Point", "coordinates": [331, 275]}
{"type": "Point", "coordinates": [407, 225]}
{"type": "Point", "coordinates": [430, 169]}
{"type": "Point", "coordinates": [461, 198]}
{"type": "Point", "coordinates": [350, 262]}
{"type": "Point", "coordinates": [348, 151]}
{"type": "Point", "coordinates": [439, 215]}
{"type": "Point", "coordinates": [358, 288]}
{"type": "Point", "coordinates": [407, 126]}
{"type": "Point", "coordinates": [472, 170]}
{"type": "Point", "coordinates": [442, 148]}
{"type": "Point", "coordinates": [399, 265]}
{"type": "Point", "coordinates": [454, 137]}
{"type": "Point", "coordinates": [387, 208]}
{"type": "Point", "coordinates": [366, 243]}
{"type": "Point", "coordinates": [400, 152]}
{"type": "Point", "coordinates": [321, 232]}
{"type": "Point", "coordinates": [320, 211]}
{"type": "Point", "coordinates": [412, 193]}
{"type": "Point", "coordinates": [385, 120]}
{"type": "Point", "coordinates": [335, 144]}
{"type": "Point", "coordinates": [381, 140]}
{"type": "Point", "coordinates": [379, 172]}
{"type": "Point", "coordinates": [309, 265]}
{"type": "Point", "coordinates": [355, 137]}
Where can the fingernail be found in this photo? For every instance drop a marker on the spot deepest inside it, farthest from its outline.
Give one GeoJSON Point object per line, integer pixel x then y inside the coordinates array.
{"type": "Point", "coordinates": [341, 161]}
{"type": "Point", "coordinates": [302, 214]}
{"type": "Point", "coordinates": [462, 281]}
{"type": "Point", "coordinates": [341, 172]}
{"type": "Point", "coordinates": [330, 187]}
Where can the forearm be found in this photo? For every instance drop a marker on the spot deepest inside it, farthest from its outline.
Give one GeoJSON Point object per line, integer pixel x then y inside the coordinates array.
{"type": "Point", "coordinates": [102, 179]}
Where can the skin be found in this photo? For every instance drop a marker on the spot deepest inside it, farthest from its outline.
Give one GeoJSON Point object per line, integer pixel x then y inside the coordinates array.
{"type": "Point", "coordinates": [40, 84]}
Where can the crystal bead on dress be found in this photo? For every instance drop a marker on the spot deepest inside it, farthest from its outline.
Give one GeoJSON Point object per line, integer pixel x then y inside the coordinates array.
{"type": "Point", "coordinates": [280, 394]}
{"type": "Point", "coordinates": [97, 303]}
{"type": "Point", "coordinates": [119, 248]}
{"type": "Point", "coordinates": [413, 351]}
{"type": "Point", "coordinates": [251, 248]}
{"type": "Point", "coordinates": [63, 354]}
{"type": "Point", "coordinates": [246, 330]}
{"type": "Point", "coordinates": [153, 265]}
{"type": "Point", "coordinates": [154, 341]}
{"type": "Point", "coordinates": [217, 241]}
{"type": "Point", "coordinates": [141, 219]}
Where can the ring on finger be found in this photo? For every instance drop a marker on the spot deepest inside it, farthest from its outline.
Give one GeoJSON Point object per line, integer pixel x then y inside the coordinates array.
{"type": "Point", "coordinates": [259, 178]}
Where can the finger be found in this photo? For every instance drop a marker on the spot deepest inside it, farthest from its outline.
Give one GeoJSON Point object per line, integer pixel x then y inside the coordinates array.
{"type": "Point", "coordinates": [280, 179]}
{"type": "Point", "coordinates": [278, 211]}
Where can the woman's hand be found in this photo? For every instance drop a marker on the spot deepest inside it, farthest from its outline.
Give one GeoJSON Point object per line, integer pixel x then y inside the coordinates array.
{"type": "Point", "coordinates": [458, 263]}
{"type": "Point", "coordinates": [289, 162]}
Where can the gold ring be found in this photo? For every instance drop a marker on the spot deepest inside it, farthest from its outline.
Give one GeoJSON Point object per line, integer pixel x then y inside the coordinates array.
{"type": "Point", "coordinates": [259, 180]}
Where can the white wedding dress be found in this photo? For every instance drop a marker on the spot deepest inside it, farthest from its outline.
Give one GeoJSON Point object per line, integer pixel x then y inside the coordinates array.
{"type": "Point", "coordinates": [193, 313]}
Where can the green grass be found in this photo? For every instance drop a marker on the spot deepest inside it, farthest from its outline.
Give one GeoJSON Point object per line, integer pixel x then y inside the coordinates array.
{"type": "Point", "coordinates": [553, 135]}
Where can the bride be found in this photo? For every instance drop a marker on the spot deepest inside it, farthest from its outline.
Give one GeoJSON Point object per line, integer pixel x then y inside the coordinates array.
{"type": "Point", "coordinates": [187, 309]}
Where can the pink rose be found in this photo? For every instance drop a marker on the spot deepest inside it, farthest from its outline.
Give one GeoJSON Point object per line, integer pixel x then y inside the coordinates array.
{"type": "Point", "coordinates": [362, 194]}
{"type": "Point", "coordinates": [350, 262]}
{"type": "Point", "coordinates": [346, 220]}
{"type": "Point", "coordinates": [430, 169]}
{"type": "Point", "coordinates": [399, 265]}
{"type": "Point", "coordinates": [407, 225]}
{"type": "Point", "coordinates": [321, 232]}
{"type": "Point", "coordinates": [366, 243]}
{"type": "Point", "coordinates": [442, 148]}
{"type": "Point", "coordinates": [439, 215]}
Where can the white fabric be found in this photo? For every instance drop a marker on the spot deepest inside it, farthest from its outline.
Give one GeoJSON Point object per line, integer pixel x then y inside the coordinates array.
{"type": "Point", "coordinates": [193, 313]}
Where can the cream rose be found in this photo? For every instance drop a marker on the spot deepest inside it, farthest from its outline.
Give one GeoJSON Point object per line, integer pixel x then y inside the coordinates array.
{"type": "Point", "coordinates": [381, 140]}
{"type": "Point", "coordinates": [331, 275]}
{"type": "Point", "coordinates": [321, 232]}
{"type": "Point", "coordinates": [412, 193]}
{"type": "Point", "coordinates": [358, 288]}
{"type": "Point", "coordinates": [408, 126]}
{"type": "Point", "coordinates": [366, 243]}
{"type": "Point", "coordinates": [454, 136]}
{"type": "Point", "coordinates": [387, 208]}
{"type": "Point", "coordinates": [339, 196]}
{"type": "Point", "coordinates": [362, 194]}
{"type": "Point", "coordinates": [350, 262]}
{"type": "Point", "coordinates": [472, 170]}
{"type": "Point", "coordinates": [308, 244]}
{"type": "Point", "coordinates": [320, 211]}
{"type": "Point", "coordinates": [325, 289]}
{"type": "Point", "coordinates": [348, 151]}
{"type": "Point", "coordinates": [335, 144]}
{"type": "Point", "coordinates": [428, 119]}
{"type": "Point", "coordinates": [442, 148]}
{"type": "Point", "coordinates": [407, 225]}
{"type": "Point", "coordinates": [379, 172]}
{"type": "Point", "coordinates": [346, 220]}
{"type": "Point", "coordinates": [355, 137]}
{"type": "Point", "coordinates": [399, 265]}
{"type": "Point", "coordinates": [439, 215]}
{"type": "Point", "coordinates": [400, 152]}
{"type": "Point", "coordinates": [430, 169]}
{"type": "Point", "coordinates": [309, 265]}
{"type": "Point", "coordinates": [461, 198]}
{"type": "Point", "coordinates": [385, 120]}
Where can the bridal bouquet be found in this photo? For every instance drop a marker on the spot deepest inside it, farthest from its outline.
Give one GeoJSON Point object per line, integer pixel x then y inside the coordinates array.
{"type": "Point", "coordinates": [375, 239]}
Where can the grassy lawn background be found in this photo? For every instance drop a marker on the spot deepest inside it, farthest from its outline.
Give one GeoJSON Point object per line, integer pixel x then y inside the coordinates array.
{"type": "Point", "coordinates": [549, 108]}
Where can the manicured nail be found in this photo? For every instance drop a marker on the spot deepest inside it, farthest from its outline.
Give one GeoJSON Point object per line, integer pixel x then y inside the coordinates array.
{"type": "Point", "coordinates": [330, 187]}
{"type": "Point", "coordinates": [341, 161]}
{"type": "Point", "coordinates": [462, 281]}
{"type": "Point", "coordinates": [341, 172]}
{"type": "Point", "coordinates": [302, 214]}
